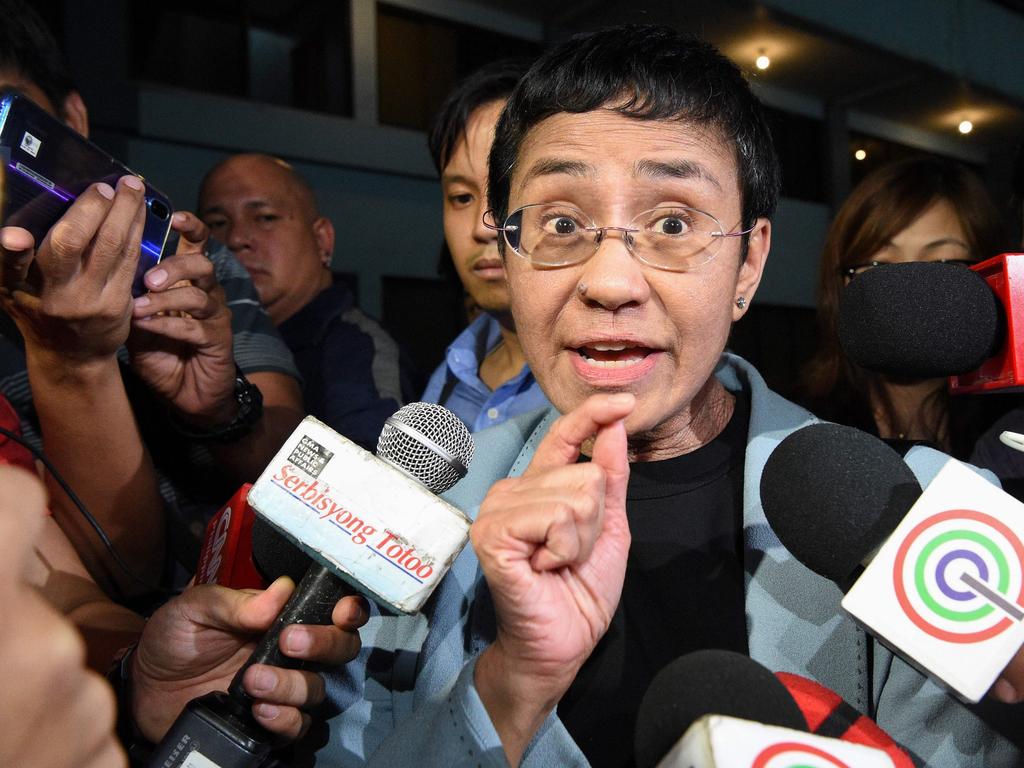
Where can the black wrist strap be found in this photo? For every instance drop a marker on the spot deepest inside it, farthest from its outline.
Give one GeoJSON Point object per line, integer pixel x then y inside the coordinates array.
{"type": "Point", "coordinates": [136, 745]}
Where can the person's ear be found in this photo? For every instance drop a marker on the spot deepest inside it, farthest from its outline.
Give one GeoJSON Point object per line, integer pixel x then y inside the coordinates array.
{"type": "Point", "coordinates": [75, 113]}
{"type": "Point", "coordinates": [759, 242]}
{"type": "Point", "coordinates": [323, 231]}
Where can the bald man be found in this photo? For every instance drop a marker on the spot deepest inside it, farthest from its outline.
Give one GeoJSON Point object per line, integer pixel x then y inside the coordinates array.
{"type": "Point", "coordinates": [355, 375]}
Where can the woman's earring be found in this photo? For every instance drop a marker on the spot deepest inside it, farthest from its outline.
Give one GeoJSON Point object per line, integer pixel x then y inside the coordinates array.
{"type": "Point", "coordinates": [741, 302]}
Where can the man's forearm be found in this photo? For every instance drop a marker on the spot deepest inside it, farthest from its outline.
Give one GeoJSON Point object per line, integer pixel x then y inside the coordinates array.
{"type": "Point", "coordinates": [61, 578]}
{"type": "Point", "coordinates": [91, 436]}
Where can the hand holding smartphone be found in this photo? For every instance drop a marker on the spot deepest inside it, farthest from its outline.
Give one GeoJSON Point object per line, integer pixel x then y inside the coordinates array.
{"type": "Point", "coordinates": [48, 165]}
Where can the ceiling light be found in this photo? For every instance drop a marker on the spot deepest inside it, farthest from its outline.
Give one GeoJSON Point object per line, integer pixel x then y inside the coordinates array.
{"type": "Point", "coordinates": [860, 154]}
{"type": "Point", "coordinates": [762, 61]}
{"type": "Point", "coordinates": [965, 127]}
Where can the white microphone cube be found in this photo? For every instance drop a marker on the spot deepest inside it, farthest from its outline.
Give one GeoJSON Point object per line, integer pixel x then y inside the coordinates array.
{"type": "Point", "coordinates": [377, 528]}
{"type": "Point", "coordinates": [946, 590]}
{"type": "Point", "coordinates": [716, 741]}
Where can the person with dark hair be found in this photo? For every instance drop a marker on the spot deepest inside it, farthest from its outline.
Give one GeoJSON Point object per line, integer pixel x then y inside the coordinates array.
{"type": "Point", "coordinates": [354, 374]}
{"type": "Point", "coordinates": [72, 322]}
{"type": "Point", "coordinates": [32, 63]}
{"type": "Point", "coordinates": [917, 209]}
{"type": "Point", "coordinates": [633, 181]}
{"type": "Point", "coordinates": [484, 377]}
{"type": "Point", "coordinates": [167, 382]}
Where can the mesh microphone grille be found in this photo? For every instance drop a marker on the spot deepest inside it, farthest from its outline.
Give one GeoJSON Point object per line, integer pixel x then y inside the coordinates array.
{"type": "Point", "coordinates": [415, 456]}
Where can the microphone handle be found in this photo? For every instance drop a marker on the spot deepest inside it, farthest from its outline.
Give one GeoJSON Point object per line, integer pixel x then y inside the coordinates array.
{"type": "Point", "coordinates": [312, 603]}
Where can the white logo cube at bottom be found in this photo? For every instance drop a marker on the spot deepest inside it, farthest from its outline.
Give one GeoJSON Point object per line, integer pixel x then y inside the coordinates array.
{"type": "Point", "coordinates": [716, 741]}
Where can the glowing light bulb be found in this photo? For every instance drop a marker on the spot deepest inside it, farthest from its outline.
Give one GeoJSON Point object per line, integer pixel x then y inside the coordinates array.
{"type": "Point", "coordinates": [762, 62]}
{"type": "Point", "coordinates": [860, 154]}
{"type": "Point", "coordinates": [965, 127]}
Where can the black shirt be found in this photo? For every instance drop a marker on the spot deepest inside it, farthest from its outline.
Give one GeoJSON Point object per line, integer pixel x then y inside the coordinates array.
{"type": "Point", "coordinates": [684, 587]}
{"type": "Point", "coordinates": [354, 375]}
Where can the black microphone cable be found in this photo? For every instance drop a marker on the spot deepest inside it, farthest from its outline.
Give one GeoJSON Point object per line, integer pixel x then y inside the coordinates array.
{"type": "Point", "coordinates": [93, 522]}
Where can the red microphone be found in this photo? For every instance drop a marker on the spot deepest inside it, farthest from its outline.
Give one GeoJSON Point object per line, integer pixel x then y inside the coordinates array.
{"type": "Point", "coordinates": [1005, 369]}
{"type": "Point", "coordinates": [827, 714]}
{"type": "Point", "coordinates": [226, 557]}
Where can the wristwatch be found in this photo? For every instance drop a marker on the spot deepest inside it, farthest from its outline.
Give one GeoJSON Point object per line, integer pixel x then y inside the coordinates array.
{"type": "Point", "coordinates": [249, 400]}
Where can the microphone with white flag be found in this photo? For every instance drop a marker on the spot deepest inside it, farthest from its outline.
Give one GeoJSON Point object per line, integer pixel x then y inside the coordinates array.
{"type": "Point", "coordinates": [938, 576]}
{"type": "Point", "coordinates": [720, 709]}
{"type": "Point", "coordinates": [372, 524]}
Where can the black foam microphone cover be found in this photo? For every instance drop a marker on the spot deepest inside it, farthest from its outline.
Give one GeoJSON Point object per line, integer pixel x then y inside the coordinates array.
{"type": "Point", "coordinates": [274, 555]}
{"type": "Point", "coordinates": [833, 494]}
{"type": "Point", "coordinates": [708, 682]}
{"type": "Point", "coordinates": [919, 320]}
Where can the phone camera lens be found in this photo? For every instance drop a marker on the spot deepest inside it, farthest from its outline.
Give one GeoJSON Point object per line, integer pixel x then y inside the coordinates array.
{"type": "Point", "coordinates": [159, 208]}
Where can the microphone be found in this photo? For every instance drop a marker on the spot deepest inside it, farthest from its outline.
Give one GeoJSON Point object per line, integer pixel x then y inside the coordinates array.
{"type": "Point", "coordinates": [375, 522]}
{"type": "Point", "coordinates": [243, 551]}
{"type": "Point", "coordinates": [274, 556]}
{"type": "Point", "coordinates": [832, 494]}
{"type": "Point", "coordinates": [720, 709]}
{"type": "Point", "coordinates": [942, 320]}
{"type": "Point", "coordinates": [372, 524]}
{"type": "Point", "coordinates": [919, 320]}
{"type": "Point", "coordinates": [828, 714]}
{"type": "Point", "coordinates": [226, 557]}
{"type": "Point", "coordinates": [944, 579]}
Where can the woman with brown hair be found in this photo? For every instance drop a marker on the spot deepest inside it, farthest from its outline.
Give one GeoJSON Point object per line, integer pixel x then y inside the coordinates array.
{"type": "Point", "coordinates": [918, 209]}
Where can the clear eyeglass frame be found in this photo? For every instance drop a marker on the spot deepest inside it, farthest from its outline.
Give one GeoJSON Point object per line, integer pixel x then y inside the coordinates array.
{"type": "Point", "coordinates": [685, 250]}
{"type": "Point", "coordinates": [859, 269]}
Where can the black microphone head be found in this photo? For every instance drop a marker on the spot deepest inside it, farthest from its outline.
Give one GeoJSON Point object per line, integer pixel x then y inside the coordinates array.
{"type": "Point", "coordinates": [274, 555]}
{"type": "Point", "coordinates": [919, 320]}
{"type": "Point", "coordinates": [832, 494]}
{"type": "Point", "coordinates": [709, 682]}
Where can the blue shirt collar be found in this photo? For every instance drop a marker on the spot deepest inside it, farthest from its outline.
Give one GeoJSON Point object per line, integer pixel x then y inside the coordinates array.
{"type": "Point", "coordinates": [466, 353]}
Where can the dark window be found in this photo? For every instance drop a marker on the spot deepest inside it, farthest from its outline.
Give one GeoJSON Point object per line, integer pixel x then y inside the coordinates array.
{"type": "Point", "coordinates": [800, 143]}
{"type": "Point", "coordinates": [420, 58]}
{"type": "Point", "coordinates": [289, 53]}
{"type": "Point", "coordinates": [202, 50]}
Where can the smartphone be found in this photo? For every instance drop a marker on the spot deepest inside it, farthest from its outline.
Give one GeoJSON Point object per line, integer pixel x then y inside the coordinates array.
{"type": "Point", "coordinates": [49, 165]}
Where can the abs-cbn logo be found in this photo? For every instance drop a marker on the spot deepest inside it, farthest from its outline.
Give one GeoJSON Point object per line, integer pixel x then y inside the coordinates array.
{"type": "Point", "coordinates": [959, 576]}
{"type": "Point", "coordinates": [387, 544]}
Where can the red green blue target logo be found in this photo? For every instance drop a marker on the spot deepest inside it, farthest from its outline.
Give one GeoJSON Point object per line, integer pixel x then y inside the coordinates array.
{"type": "Point", "coordinates": [792, 754]}
{"type": "Point", "coordinates": [959, 576]}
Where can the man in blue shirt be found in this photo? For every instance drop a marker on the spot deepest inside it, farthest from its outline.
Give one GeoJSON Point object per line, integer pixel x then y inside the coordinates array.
{"type": "Point", "coordinates": [353, 373]}
{"type": "Point", "coordinates": [484, 378]}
